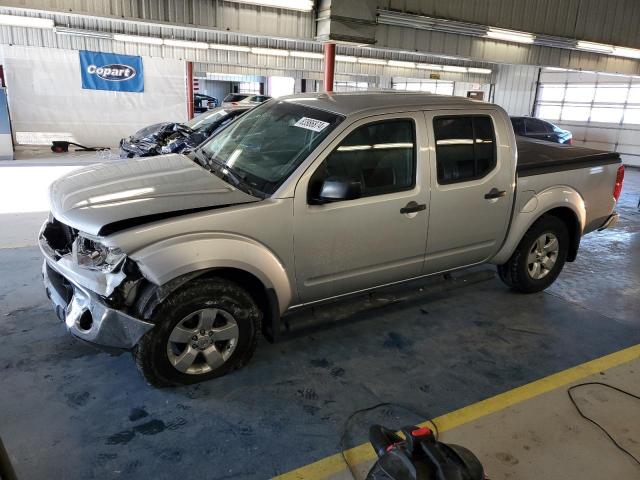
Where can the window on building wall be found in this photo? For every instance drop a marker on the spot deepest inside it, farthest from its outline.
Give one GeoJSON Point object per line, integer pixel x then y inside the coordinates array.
{"type": "Point", "coordinates": [350, 86]}
{"type": "Point", "coordinates": [441, 87]}
{"type": "Point", "coordinates": [249, 87]}
{"type": "Point", "coordinates": [599, 102]}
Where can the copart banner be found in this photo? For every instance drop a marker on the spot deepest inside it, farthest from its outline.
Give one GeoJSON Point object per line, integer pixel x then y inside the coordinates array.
{"type": "Point", "coordinates": [109, 71]}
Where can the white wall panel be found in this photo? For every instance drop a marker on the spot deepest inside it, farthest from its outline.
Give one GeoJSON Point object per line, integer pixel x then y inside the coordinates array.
{"type": "Point", "coordinates": [515, 88]}
{"type": "Point", "coordinates": [46, 95]}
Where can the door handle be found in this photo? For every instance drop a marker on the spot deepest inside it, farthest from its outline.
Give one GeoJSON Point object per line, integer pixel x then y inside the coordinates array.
{"type": "Point", "coordinates": [412, 207]}
{"type": "Point", "coordinates": [495, 193]}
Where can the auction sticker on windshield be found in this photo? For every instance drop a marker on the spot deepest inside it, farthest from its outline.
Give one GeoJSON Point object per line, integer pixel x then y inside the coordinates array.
{"type": "Point", "coordinates": [311, 124]}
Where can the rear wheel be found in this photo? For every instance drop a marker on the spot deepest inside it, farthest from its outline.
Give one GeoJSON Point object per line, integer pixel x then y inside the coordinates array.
{"type": "Point", "coordinates": [539, 257]}
{"type": "Point", "coordinates": [204, 330]}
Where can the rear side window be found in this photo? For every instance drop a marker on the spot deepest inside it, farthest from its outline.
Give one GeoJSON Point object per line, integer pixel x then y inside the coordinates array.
{"type": "Point", "coordinates": [536, 126]}
{"type": "Point", "coordinates": [465, 147]}
{"type": "Point", "coordinates": [381, 156]}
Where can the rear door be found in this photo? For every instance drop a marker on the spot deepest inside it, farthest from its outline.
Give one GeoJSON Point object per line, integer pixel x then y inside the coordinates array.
{"type": "Point", "coordinates": [472, 176]}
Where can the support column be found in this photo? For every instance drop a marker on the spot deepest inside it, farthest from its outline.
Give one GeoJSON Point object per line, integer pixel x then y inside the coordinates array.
{"type": "Point", "coordinates": [190, 90]}
{"type": "Point", "coordinates": [329, 65]}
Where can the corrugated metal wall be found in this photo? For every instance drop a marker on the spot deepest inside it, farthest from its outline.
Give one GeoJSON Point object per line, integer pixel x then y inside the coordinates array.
{"type": "Point", "coordinates": [480, 49]}
{"type": "Point", "coordinates": [200, 13]}
{"type": "Point", "coordinates": [515, 88]}
{"type": "Point", "coordinates": [221, 61]}
{"type": "Point", "coordinates": [606, 21]}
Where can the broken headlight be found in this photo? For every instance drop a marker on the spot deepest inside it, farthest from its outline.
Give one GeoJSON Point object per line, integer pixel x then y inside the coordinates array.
{"type": "Point", "coordinates": [94, 255]}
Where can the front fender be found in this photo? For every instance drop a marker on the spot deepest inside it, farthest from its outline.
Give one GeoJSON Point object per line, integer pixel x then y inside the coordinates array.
{"type": "Point", "coordinates": [532, 207]}
{"type": "Point", "coordinates": [168, 259]}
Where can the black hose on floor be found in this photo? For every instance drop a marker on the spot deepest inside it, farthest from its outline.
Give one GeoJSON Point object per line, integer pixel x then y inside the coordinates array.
{"type": "Point", "coordinates": [613, 440]}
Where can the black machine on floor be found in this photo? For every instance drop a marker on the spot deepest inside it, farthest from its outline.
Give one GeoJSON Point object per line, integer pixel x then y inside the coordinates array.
{"type": "Point", "coordinates": [420, 456]}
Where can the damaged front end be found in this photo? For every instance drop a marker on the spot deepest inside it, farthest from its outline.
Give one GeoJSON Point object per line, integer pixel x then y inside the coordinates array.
{"type": "Point", "coordinates": [93, 287]}
{"type": "Point", "coordinates": [156, 140]}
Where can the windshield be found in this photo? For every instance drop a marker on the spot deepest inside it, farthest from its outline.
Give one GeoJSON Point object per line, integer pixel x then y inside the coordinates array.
{"type": "Point", "coordinates": [264, 146]}
{"type": "Point", "coordinates": [201, 121]}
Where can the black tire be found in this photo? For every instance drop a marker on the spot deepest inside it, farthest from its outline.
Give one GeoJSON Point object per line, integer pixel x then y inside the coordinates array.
{"type": "Point", "coordinates": [206, 293]}
{"type": "Point", "coordinates": [515, 273]}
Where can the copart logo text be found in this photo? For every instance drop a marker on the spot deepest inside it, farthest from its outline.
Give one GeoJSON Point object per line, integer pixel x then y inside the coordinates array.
{"type": "Point", "coordinates": [114, 72]}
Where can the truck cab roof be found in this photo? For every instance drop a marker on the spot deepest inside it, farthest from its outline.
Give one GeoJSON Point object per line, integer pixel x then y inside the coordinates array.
{"type": "Point", "coordinates": [349, 103]}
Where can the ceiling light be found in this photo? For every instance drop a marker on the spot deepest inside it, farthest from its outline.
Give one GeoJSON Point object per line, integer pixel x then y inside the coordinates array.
{"type": "Point", "coordinates": [626, 52]}
{"type": "Point", "coordinates": [485, 71]}
{"type": "Point", "coordinates": [270, 51]}
{"type": "Point", "coordinates": [453, 68]}
{"type": "Point", "coordinates": [185, 44]}
{"type": "Point", "coordinates": [300, 54]}
{"type": "Point", "coordinates": [78, 32]}
{"type": "Point", "coordinates": [346, 58]}
{"type": "Point", "coordinates": [425, 66]}
{"type": "Point", "coordinates": [31, 22]}
{"type": "Point", "coordinates": [510, 35]}
{"type": "Point", "coordinates": [398, 63]}
{"type": "Point", "coordinates": [594, 47]}
{"type": "Point", "coordinates": [301, 5]}
{"type": "Point", "coordinates": [372, 61]}
{"type": "Point", "coordinates": [137, 39]}
{"type": "Point", "coordinates": [233, 48]}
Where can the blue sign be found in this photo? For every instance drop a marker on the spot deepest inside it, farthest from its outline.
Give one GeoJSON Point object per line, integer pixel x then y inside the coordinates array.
{"type": "Point", "coordinates": [109, 71]}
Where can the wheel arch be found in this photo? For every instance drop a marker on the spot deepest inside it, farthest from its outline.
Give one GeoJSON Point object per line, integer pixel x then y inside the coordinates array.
{"type": "Point", "coordinates": [562, 202]}
{"type": "Point", "coordinates": [570, 219]}
{"type": "Point", "coordinates": [168, 264]}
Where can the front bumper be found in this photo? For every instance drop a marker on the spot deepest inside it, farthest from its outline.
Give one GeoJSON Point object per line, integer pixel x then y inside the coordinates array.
{"type": "Point", "coordinates": [79, 294]}
{"type": "Point", "coordinates": [86, 315]}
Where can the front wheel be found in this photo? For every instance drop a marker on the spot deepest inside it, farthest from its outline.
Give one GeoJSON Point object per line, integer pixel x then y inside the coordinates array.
{"type": "Point", "coordinates": [204, 330]}
{"type": "Point", "coordinates": [538, 258]}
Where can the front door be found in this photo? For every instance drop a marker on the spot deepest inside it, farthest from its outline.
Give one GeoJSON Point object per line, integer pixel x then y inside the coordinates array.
{"type": "Point", "coordinates": [351, 245]}
{"type": "Point", "coordinates": [473, 170]}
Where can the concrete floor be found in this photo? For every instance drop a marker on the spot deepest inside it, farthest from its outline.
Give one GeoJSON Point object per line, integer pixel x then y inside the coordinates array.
{"type": "Point", "coordinates": [70, 411]}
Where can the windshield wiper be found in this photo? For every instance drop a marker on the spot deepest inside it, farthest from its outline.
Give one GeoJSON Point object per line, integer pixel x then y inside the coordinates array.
{"type": "Point", "coordinates": [229, 173]}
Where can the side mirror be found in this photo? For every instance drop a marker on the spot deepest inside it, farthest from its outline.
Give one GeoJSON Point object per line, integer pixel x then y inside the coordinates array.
{"type": "Point", "coordinates": [335, 189]}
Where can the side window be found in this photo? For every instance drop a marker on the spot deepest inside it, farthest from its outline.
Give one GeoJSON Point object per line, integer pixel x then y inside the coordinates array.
{"type": "Point", "coordinates": [465, 147]}
{"type": "Point", "coordinates": [380, 156]}
{"type": "Point", "coordinates": [536, 126]}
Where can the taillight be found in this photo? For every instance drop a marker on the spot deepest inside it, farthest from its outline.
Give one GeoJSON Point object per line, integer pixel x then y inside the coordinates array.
{"type": "Point", "coordinates": [617, 188]}
{"type": "Point", "coordinates": [570, 141]}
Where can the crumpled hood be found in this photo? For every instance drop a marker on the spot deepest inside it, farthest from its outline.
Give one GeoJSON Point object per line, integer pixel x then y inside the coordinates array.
{"type": "Point", "coordinates": [152, 130]}
{"type": "Point", "coordinates": [149, 140]}
{"type": "Point", "coordinates": [94, 198]}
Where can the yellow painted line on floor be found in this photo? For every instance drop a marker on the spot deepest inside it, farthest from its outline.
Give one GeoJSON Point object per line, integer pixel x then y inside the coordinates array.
{"type": "Point", "coordinates": [335, 464]}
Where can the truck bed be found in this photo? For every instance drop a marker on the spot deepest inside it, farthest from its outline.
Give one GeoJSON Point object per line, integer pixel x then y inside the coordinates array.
{"type": "Point", "coordinates": [536, 157]}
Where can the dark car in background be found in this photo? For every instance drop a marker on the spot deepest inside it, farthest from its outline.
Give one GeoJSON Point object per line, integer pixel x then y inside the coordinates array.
{"type": "Point", "coordinates": [541, 130]}
{"type": "Point", "coordinates": [171, 137]}
{"type": "Point", "coordinates": [203, 103]}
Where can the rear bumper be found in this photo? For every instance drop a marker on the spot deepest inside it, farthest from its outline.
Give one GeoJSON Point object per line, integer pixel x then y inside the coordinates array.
{"type": "Point", "coordinates": [87, 317]}
{"type": "Point", "coordinates": [610, 221]}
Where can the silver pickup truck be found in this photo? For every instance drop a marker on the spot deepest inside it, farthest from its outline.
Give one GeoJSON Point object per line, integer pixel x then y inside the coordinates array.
{"type": "Point", "coordinates": [185, 260]}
